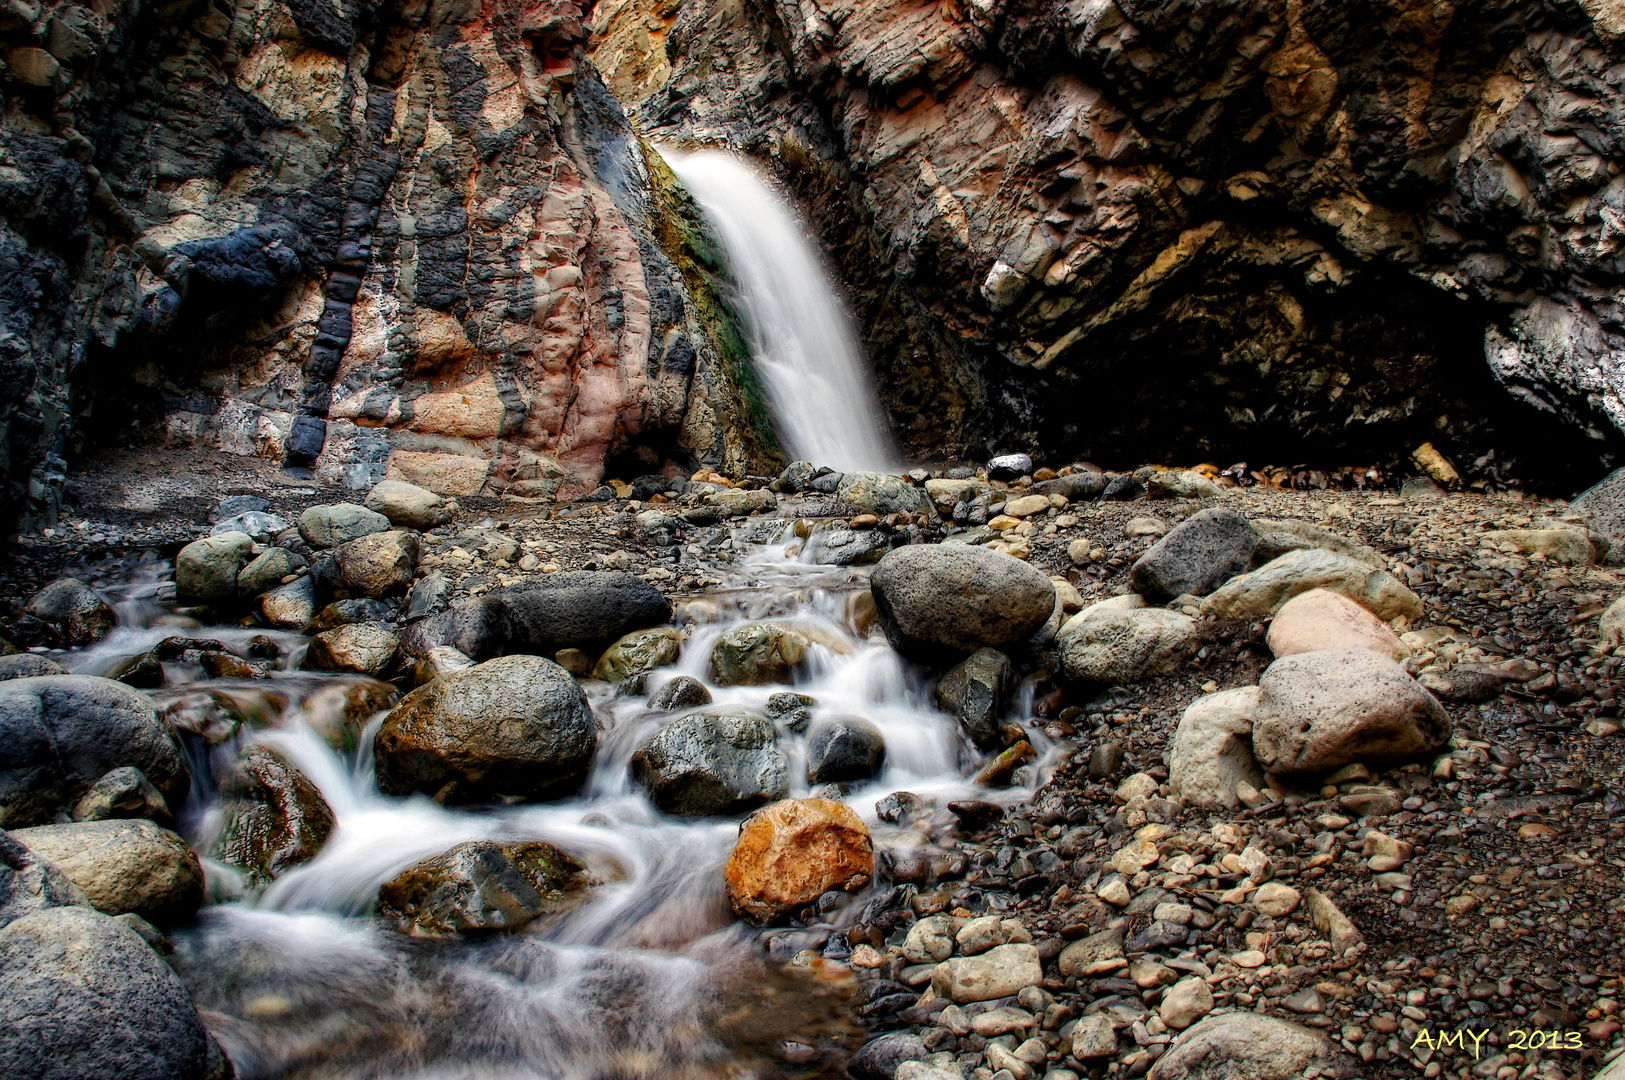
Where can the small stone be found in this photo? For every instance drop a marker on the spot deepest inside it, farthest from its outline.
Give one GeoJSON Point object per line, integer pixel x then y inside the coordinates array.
{"type": "Point", "coordinates": [1186, 1002]}
{"type": "Point", "coordinates": [1248, 958]}
{"type": "Point", "coordinates": [1275, 900]}
{"type": "Point", "coordinates": [1115, 892]}
{"type": "Point", "coordinates": [1000, 972]}
{"type": "Point", "coordinates": [1093, 1038]}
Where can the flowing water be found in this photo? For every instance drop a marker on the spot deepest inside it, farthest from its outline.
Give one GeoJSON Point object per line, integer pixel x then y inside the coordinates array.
{"type": "Point", "coordinates": [648, 975]}
{"type": "Point", "coordinates": [801, 338]}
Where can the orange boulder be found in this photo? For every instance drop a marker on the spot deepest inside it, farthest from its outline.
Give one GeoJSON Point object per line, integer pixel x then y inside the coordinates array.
{"type": "Point", "coordinates": [794, 851]}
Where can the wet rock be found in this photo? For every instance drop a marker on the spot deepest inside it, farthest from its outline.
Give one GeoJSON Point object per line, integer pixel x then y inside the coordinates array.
{"type": "Point", "coordinates": [1200, 554]}
{"type": "Point", "coordinates": [338, 523]}
{"type": "Point", "coordinates": [267, 570]}
{"type": "Point", "coordinates": [28, 665]}
{"type": "Point", "coordinates": [1321, 619]}
{"type": "Point", "coordinates": [941, 602]}
{"type": "Point", "coordinates": [273, 817]}
{"type": "Point", "coordinates": [1212, 749]}
{"type": "Point", "coordinates": [123, 793]}
{"type": "Point", "coordinates": [848, 547]}
{"type": "Point", "coordinates": [976, 691]}
{"type": "Point", "coordinates": [756, 654]}
{"type": "Point", "coordinates": [79, 616]}
{"type": "Point", "coordinates": [1247, 1046]}
{"type": "Point", "coordinates": [361, 648]}
{"type": "Point", "coordinates": [880, 494]}
{"type": "Point", "coordinates": [478, 887]}
{"type": "Point", "coordinates": [408, 505]}
{"type": "Point", "coordinates": [442, 660]}
{"type": "Point", "coordinates": [1000, 972]}
{"type": "Point", "coordinates": [341, 708]}
{"type": "Point", "coordinates": [123, 865]}
{"type": "Point", "coordinates": [262, 526]}
{"type": "Point", "coordinates": [516, 726]}
{"type": "Point", "coordinates": [721, 761]}
{"type": "Point", "coordinates": [1113, 647]}
{"type": "Point", "coordinates": [843, 748]}
{"type": "Point", "coordinates": [476, 626]}
{"type": "Point", "coordinates": [59, 734]}
{"type": "Point", "coordinates": [82, 995]}
{"type": "Point", "coordinates": [1319, 711]}
{"type": "Point", "coordinates": [344, 612]}
{"type": "Point", "coordinates": [290, 606]}
{"type": "Point", "coordinates": [380, 563]}
{"type": "Point", "coordinates": [879, 1058]}
{"type": "Point", "coordinates": [628, 662]}
{"type": "Point", "coordinates": [683, 692]}
{"type": "Point", "coordinates": [207, 569]}
{"type": "Point", "coordinates": [1000, 771]}
{"type": "Point", "coordinates": [791, 853]}
{"type": "Point", "coordinates": [1265, 591]}
{"type": "Point", "coordinates": [427, 596]}
{"type": "Point", "coordinates": [585, 609]}
{"type": "Point", "coordinates": [144, 671]}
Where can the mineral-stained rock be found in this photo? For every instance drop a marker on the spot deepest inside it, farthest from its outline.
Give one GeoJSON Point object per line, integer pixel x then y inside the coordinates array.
{"type": "Point", "coordinates": [756, 654]}
{"type": "Point", "coordinates": [628, 662]}
{"type": "Point", "coordinates": [516, 725]}
{"type": "Point", "coordinates": [1200, 554]}
{"type": "Point", "coordinates": [274, 818]}
{"type": "Point", "coordinates": [123, 865]}
{"type": "Point", "coordinates": [29, 883]}
{"type": "Point", "coordinates": [73, 608]}
{"type": "Point", "coordinates": [1247, 1046]}
{"type": "Point", "coordinates": [719, 761]}
{"type": "Point", "coordinates": [1264, 591]}
{"type": "Point", "coordinates": [939, 602]}
{"type": "Point", "coordinates": [791, 853]}
{"type": "Point", "coordinates": [478, 886]}
{"type": "Point", "coordinates": [59, 734]}
{"type": "Point", "coordinates": [976, 690]}
{"type": "Point", "coordinates": [290, 606]}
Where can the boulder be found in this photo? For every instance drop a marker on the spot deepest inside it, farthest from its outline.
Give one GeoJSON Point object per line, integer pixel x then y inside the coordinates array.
{"type": "Point", "coordinates": [1114, 647]}
{"type": "Point", "coordinates": [1000, 972]}
{"type": "Point", "coordinates": [627, 663]}
{"type": "Point", "coordinates": [28, 665]}
{"type": "Point", "coordinates": [1316, 536]}
{"type": "Point", "coordinates": [479, 886]}
{"type": "Point", "coordinates": [947, 493]}
{"type": "Point", "coordinates": [1247, 1046]}
{"type": "Point", "coordinates": [268, 569]}
{"type": "Point", "coordinates": [1094, 955]}
{"type": "Point", "coordinates": [273, 817]}
{"type": "Point", "coordinates": [79, 616]}
{"type": "Point", "coordinates": [344, 612]}
{"type": "Point", "coordinates": [1027, 506]}
{"type": "Point", "coordinates": [1200, 554]}
{"type": "Point", "coordinates": [879, 1058]}
{"type": "Point", "coordinates": [207, 569]}
{"type": "Point", "coordinates": [476, 626]}
{"type": "Point", "coordinates": [408, 505]}
{"type": "Point", "coordinates": [791, 853]}
{"type": "Point", "coordinates": [1212, 749]}
{"type": "Point", "coordinates": [514, 726]}
{"type": "Point", "coordinates": [736, 502]}
{"type": "Point", "coordinates": [338, 523]}
{"type": "Point", "coordinates": [975, 691]}
{"type": "Point", "coordinates": [1321, 619]}
{"type": "Point", "coordinates": [582, 609]}
{"type": "Point", "coordinates": [290, 606]}
{"type": "Point", "coordinates": [129, 865]}
{"type": "Point", "coordinates": [59, 734]}
{"type": "Point", "coordinates": [361, 648]}
{"type": "Point", "coordinates": [880, 494]}
{"type": "Point", "coordinates": [720, 761]}
{"type": "Point", "coordinates": [756, 654]}
{"type": "Point", "coordinates": [1266, 590]}
{"type": "Point", "coordinates": [683, 692]}
{"type": "Point", "coordinates": [29, 883]}
{"type": "Point", "coordinates": [1470, 683]}
{"type": "Point", "coordinates": [842, 748]}
{"type": "Point", "coordinates": [1604, 505]}
{"type": "Point", "coordinates": [123, 793]}
{"type": "Point", "coordinates": [941, 602]}
{"type": "Point", "coordinates": [1180, 484]}
{"type": "Point", "coordinates": [379, 563]}
{"type": "Point", "coordinates": [1319, 711]}
{"type": "Point", "coordinates": [82, 995]}
{"type": "Point", "coordinates": [1075, 487]}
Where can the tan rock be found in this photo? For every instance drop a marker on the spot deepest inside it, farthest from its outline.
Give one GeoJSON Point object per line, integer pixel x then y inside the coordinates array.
{"type": "Point", "coordinates": [1322, 619]}
{"type": "Point", "coordinates": [1327, 918]}
{"type": "Point", "coordinates": [1275, 899]}
{"type": "Point", "coordinates": [1571, 546]}
{"type": "Point", "coordinates": [1186, 1002]}
{"type": "Point", "coordinates": [791, 853]}
{"type": "Point", "coordinates": [997, 973]}
{"type": "Point", "coordinates": [1027, 506]}
{"type": "Point", "coordinates": [1266, 590]}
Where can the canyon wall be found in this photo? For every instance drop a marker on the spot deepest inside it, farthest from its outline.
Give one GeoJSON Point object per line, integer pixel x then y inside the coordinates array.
{"type": "Point", "coordinates": [1278, 229]}
{"type": "Point", "coordinates": [410, 237]}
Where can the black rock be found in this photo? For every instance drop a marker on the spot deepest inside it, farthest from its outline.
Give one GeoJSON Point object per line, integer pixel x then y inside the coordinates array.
{"type": "Point", "coordinates": [1122, 488]}
{"type": "Point", "coordinates": [879, 1058]}
{"type": "Point", "coordinates": [683, 692]}
{"type": "Point", "coordinates": [582, 609]}
{"type": "Point", "coordinates": [232, 505]}
{"type": "Point", "coordinates": [843, 748]}
{"type": "Point", "coordinates": [344, 612]}
{"type": "Point", "coordinates": [1200, 554]}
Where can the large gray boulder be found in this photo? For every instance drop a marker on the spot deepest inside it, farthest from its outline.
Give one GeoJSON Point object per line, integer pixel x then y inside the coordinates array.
{"type": "Point", "coordinates": [1604, 505]}
{"type": "Point", "coordinates": [1248, 1046]}
{"type": "Point", "coordinates": [29, 883]}
{"type": "Point", "coordinates": [581, 609]}
{"type": "Point", "coordinates": [123, 865]}
{"type": "Point", "coordinates": [408, 505]}
{"type": "Point", "coordinates": [476, 626]}
{"type": "Point", "coordinates": [338, 523]}
{"type": "Point", "coordinates": [1200, 554]}
{"type": "Point", "coordinates": [513, 726]}
{"type": "Point", "coordinates": [1115, 646]}
{"type": "Point", "coordinates": [879, 493]}
{"type": "Point", "coordinates": [82, 995]}
{"type": "Point", "coordinates": [1319, 711]}
{"type": "Point", "coordinates": [59, 734]}
{"type": "Point", "coordinates": [720, 761]}
{"type": "Point", "coordinates": [207, 569]}
{"type": "Point", "coordinates": [79, 615]}
{"type": "Point", "coordinates": [842, 748]}
{"type": "Point", "coordinates": [940, 602]}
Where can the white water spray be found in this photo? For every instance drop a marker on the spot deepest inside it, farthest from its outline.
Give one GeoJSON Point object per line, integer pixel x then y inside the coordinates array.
{"type": "Point", "coordinates": [800, 334]}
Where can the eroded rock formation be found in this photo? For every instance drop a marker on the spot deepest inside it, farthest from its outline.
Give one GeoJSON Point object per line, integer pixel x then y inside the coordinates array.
{"type": "Point", "coordinates": [1244, 227]}
{"type": "Point", "coordinates": [403, 237]}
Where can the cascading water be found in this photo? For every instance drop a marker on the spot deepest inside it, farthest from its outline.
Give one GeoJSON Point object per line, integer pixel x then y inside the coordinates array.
{"type": "Point", "coordinates": [647, 974]}
{"type": "Point", "coordinates": [800, 334]}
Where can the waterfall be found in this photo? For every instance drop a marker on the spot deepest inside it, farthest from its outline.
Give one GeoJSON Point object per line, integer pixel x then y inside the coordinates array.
{"type": "Point", "coordinates": [800, 334]}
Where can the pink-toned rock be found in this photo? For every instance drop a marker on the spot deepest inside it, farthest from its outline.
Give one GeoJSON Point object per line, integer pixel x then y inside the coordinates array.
{"type": "Point", "coordinates": [1321, 619]}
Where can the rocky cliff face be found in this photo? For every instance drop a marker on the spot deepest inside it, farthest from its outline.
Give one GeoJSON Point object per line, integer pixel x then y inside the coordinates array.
{"type": "Point", "coordinates": [1193, 227]}
{"type": "Point", "coordinates": [413, 237]}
